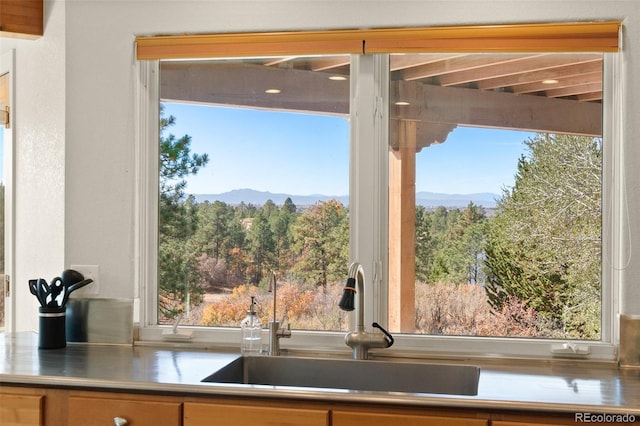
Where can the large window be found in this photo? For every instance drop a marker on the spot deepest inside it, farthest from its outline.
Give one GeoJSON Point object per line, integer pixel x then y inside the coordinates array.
{"type": "Point", "coordinates": [469, 185]}
{"type": "Point", "coordinates": [254, 181]}
{"type": "Point", "coordinates": [498, 157]}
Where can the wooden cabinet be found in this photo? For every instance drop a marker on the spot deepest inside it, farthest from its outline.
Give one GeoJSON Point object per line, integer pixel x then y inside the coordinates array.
{"type": "Point", "coordinates": [535, 422]}
{"type": "Point", "coordinates": [21, 18]}
{"type": "Point", "coordinates": [501, 423]}
{"type": "Point", "coordinates": [347, 418]}
{"type": "Point", "coordinates": [101, 409]}
{"type": "Point", "coordinates": [204, 414]}
{"type": "Point", "coordinates": [21, 408]}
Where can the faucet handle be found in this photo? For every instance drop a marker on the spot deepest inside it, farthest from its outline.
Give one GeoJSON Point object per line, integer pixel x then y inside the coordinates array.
{"type": "Point", "coordinates": [388, 337]}
{"type": "Point", "coordinates": [284, 332]}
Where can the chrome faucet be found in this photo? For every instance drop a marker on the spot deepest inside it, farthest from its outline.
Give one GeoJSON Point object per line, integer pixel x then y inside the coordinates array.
{"type": "Point", "coordinates": [275, 331]}
{"type": "Point", "coordinates": [359, 340]}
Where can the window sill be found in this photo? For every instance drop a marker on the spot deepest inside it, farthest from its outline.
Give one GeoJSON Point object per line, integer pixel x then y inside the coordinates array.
{"type": "Point", "coordinates": [331, 344]}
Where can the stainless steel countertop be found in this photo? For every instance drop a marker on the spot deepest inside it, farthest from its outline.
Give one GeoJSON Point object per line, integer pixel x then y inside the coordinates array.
{"type": "Point", "coordinates": [557, 386]}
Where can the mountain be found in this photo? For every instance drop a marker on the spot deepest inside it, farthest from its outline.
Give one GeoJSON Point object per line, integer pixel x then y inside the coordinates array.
{"type": "Point", "coordinates": [426, 199]}
{"type": "Point", "coordinates": [435, 199]}
{"type": "Point", "coordinates": [251, 196]}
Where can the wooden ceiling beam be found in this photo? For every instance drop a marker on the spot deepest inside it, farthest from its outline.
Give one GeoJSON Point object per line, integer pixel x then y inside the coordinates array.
{"type": "Point", "coordinates": [562, 82]}
{"type": "Point", "coordinates": [279, 61]}
{"type": "Point", "coordinates": [497, 68]}
{"type": "Point", "coordinates": [457, 64]}
{"type": "Point", "coordinates": [243, 85]}
{"type": "Point", "coordinates": [587, 67]}
{"type": "Point", "coordinates": [324, 64]}
{"type": "Point", "coordinates": [402, 61]}
{"type": "Point", "coordinates": [590, 97]}
{"type": "Point", "coordinates": [469, 107]}
{"type": "Point", "coordinates": [574, 90]}
{"type": "Point", "coordinates": [534, 63]}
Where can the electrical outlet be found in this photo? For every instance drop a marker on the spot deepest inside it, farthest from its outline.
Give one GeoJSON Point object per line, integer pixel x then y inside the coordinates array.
{"type": "Point", "coordinates": [88, 271]}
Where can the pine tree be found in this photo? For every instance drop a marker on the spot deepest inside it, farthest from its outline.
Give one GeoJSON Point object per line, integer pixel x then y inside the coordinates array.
{"type": "Point", "coordinates": [261, 248]}
{"type": "Point", "coordinates": [177, 266]}
{"type": "Point", "coordinates": [322, 241]}
{"type": "Point", "coordinates": [544, 244]}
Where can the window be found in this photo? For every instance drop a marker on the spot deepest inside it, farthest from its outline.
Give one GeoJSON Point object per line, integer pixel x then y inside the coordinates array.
{"type": "Point", "coordinates": [403, 114]}
{"type": "Point", "coordinates": [264, 191]}
{"type": "Point", "coordinates": [498, 157]}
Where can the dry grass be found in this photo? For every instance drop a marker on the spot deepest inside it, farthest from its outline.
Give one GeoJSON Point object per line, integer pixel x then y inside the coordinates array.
{"type": "Point", "coordinates": [441, 309]}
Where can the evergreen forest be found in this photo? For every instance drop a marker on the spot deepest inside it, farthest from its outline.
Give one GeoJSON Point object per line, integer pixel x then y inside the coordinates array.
{"type": "Point", "coordinates": [529, 268]}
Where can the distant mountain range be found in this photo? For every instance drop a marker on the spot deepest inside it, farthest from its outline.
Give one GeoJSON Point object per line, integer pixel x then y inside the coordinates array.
{"type": "Point", "coordinates": [426, 199]}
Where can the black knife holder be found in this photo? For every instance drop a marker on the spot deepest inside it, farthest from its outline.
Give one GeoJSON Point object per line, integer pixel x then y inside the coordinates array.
{"type": "Point", "coordinates": [51, 334]}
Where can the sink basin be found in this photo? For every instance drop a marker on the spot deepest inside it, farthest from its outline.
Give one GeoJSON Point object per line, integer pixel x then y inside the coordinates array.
{"type": "Point", "coordinates": [353, 375]}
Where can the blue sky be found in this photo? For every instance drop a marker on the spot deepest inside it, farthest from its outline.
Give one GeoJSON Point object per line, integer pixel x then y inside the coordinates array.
{"type": "Point", "coordinates": [304, 154]}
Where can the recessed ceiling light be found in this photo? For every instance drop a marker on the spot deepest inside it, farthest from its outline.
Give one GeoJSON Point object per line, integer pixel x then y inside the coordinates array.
{"type": "Point", "coordinates": [272, 91]}
{"type": "Point", "coordinates": [337, 78]}
{"type": "Point", "coordinates": [402, 103]}
{"type": "Point", "coordinates": [550, 81]}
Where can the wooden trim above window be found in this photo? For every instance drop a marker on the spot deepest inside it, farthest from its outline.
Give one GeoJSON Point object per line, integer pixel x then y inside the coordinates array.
{"type": "Point", "coordinates": [550, 37]}
{"type": "Point", "coordinates": [249, 44]}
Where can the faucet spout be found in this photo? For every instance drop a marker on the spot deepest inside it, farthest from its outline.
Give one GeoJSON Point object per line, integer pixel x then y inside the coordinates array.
{"type": "Point", "coordinates": [276, 332]}
{"type": "Point", "coordinates": [359, 339]}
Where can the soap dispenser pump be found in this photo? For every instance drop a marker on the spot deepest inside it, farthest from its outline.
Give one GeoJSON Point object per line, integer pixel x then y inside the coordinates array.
{"type": "Point", "coordinates": [251, 329]}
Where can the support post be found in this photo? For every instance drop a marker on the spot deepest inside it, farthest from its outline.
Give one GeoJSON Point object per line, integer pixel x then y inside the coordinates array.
{"type": "Point", "coordinates": [402, 208]}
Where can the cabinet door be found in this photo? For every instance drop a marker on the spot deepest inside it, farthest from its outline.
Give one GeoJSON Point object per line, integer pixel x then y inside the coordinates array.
{"type": "Point", "coordinates": [525, 422]}
{"type": "Point", "coordinates": [197, 414]}
{"type": "Point", "coordinates": [102, 411]}
{"type": "Point", "coordinates": [23, 410]}
{"type": "Point", "coordinates": [345, 418]}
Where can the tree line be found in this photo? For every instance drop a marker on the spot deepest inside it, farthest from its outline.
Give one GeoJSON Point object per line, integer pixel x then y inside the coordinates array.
{"type": "Point", "coordinates": [540, 251]}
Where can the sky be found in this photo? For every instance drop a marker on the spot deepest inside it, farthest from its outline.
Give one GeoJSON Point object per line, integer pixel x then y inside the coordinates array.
{"type": "Point", "coordinates": [303, 154]}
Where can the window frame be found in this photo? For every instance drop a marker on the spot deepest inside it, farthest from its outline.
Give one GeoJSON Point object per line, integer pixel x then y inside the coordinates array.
{"type": "Point", "coordinates": [7, 66]}
{"type": "Point", "coordinates": [368, 183]}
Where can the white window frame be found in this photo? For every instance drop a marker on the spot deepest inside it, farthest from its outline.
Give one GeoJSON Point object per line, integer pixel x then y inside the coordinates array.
{"type": "Point", "coordinates": [369, 224]}
{"type": "Point", "coordinates": [7, 65]}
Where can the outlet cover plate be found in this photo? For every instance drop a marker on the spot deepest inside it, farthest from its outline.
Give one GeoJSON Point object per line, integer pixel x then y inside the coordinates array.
{"type": "Point", "coordinates": [88, 271]}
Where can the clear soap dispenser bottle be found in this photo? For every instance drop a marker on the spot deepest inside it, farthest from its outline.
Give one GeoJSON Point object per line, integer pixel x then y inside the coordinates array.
{"type": "Point", "coordinates": [251, 331]}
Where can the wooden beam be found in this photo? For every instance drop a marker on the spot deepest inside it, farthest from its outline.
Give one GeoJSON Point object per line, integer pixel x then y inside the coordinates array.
{"type": "Point", "coordinates": [512, 67]}
{"type": "Point", "coordinates": [243, 85]}
{"type": "Point", "coordinates": [575, 90]}
{"type": "Point", "coordinates": [330, 63]}
{"type": "Point", "coordinates": [455, 64]}
{"type": "Point", "coordinates": [402, 210]}
{"type": "Point", "coordinates": [426, 133]}
{"type": "Point", "coordinates": [411, 60]}
{"type": "Point", "coordinates": [469, 107]}
{"type": "Point", "coordinates": [587, 97]}
{"type": "Point", "coordinates": [562, 82]}
{"type": "Point", "coordinates": [592, 65]}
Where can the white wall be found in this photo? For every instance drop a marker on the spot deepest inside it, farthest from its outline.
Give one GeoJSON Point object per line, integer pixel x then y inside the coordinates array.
{"type": "Point", "coordinates": [75, 100]}
{"type": "Point", "coordinates": [39, 136]}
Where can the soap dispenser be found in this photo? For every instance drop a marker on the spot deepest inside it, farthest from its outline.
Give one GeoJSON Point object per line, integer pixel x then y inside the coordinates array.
{"type": "Point", "coordinates": [251, 331]}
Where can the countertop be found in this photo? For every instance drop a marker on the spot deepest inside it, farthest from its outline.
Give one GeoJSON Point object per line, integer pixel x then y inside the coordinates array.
{"type": "Point", "coordinates": [557, 386]}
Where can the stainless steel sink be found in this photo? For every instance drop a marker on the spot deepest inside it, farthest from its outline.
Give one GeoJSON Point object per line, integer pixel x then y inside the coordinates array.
{"type": "Point", "coordinates": [350, 374]}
